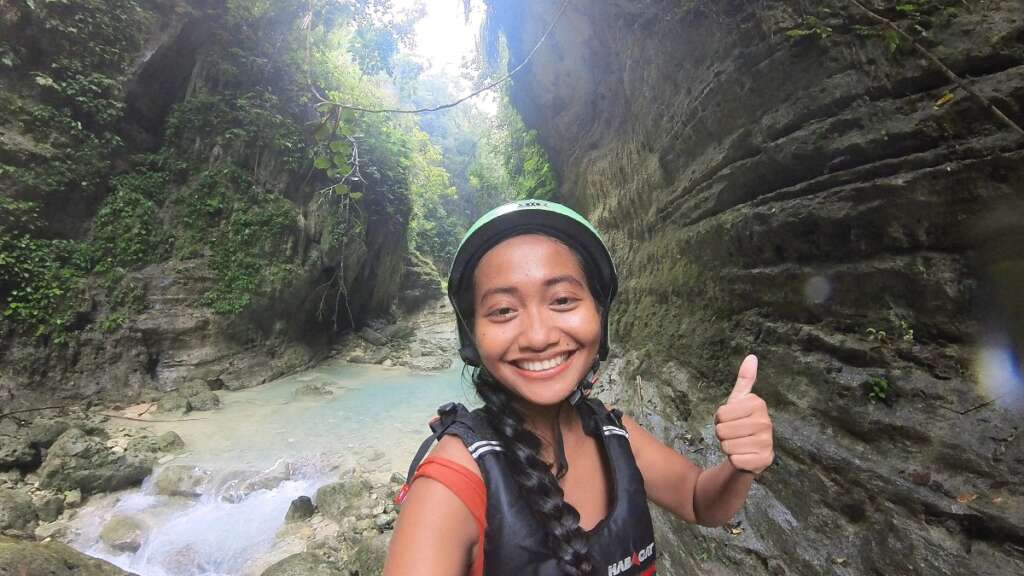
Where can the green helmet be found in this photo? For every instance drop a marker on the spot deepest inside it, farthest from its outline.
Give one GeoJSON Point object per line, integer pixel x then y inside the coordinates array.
{"type": "Point", "coordinates": [532, 217]}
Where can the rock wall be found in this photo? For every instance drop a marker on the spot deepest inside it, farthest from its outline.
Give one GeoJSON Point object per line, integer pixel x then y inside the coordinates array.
{"type": "Point", "coordinates": [793, 180]}
{"type": "Point", "coordinates": [171, 333]}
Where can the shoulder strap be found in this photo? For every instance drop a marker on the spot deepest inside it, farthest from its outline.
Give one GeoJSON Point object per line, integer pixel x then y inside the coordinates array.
{"type": "Point", "coordinates": [600, 421]}
{"type": "Point", "coordinates": [454, 418]}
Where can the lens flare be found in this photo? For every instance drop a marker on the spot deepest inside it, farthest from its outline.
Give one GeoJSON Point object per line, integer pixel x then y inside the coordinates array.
{"type": "Point", "coordinates": [817, 289]}
{"type": "Point", "coordinates": [998, 369]}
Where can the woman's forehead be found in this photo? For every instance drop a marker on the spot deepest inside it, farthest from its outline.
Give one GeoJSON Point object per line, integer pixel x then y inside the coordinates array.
{"type": "Point", "coordinates": [525, 258]}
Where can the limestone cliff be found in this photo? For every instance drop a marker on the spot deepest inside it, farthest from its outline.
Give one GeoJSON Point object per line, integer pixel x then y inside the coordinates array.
{"type": "Point", "coordinates": [164, 210]}
{"type": "Point", "coordinates": [796, 180]}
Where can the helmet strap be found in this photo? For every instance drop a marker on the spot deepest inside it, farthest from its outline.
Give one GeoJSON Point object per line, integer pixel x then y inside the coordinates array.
{"type": "Point", "coordinates": [583, 389]}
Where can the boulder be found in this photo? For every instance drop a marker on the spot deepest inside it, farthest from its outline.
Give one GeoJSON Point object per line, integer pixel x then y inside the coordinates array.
{"type": "Point", "coordinates": [174, 403]}
{"type": "Point", "coordinates": [124, 533]}
{"type": "Point", "coordinates": [344, 498]}
{"type": "Point", "coordinates": [193, 388]}
{"type": "Point", "coordinates": [51, 558]}
{"type": "Point", "coordinates": [153, 446]}
{"type": "Point", "coordinates": [72, 499]}
{"type": "Point", "coordinates": [48, 506]}
{"type": "Point", "coordinates": [16, 449]}
{"type": "Point", "coordinates": [268, 479]}
{"type": "Point", "coordinates": [16, 510]}
{"type": "Point", "coordinates": [204, 401]}
{"type": "Point", "coordinates": [52, 530]}
{"type": "Point", "coordinates": [373, 337]}
{"type": "Point", "coordinates": [181, 480]}
{"type": "Point", "coordinates": [79, 461]}
{"type": "Point", "coordinates": [300, 509]}
{"type": "Point", "coordinates": [44, 431]}
{"type": "Point", "coordinates": [307, 564]}
{"type": "Point", "coordinates": [369, 555]}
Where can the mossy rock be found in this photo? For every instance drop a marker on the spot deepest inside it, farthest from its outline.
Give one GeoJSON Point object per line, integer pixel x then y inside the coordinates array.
{"type": "Point", "coordinates": [193, 388]}
{"type": "Point", "coordinates": [204, 401]}
{"type": "Point", "coordinates": [124, 533]}
{"type": "Point", "coordinates": [306, 564]}
{"type": "Point", "coordinates": [174, 403]}
{"type": "Point", "coordinates": [50, 559]}
{"type": "Point", "coordinates": [16, 510]}
{"type": "Point", "coordinates": [181, 480]}
{"type": "Point", "coordinates": [340, 499]}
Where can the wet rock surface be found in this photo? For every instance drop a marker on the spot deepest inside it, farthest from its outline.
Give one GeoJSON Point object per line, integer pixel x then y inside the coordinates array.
{"type": "Point", "coordinates": [181, 480]}
{"type": "Point", "coordinates": [124, 533]}
{"type": "Point", "coordinates": [798, 199]}
{"type": "Point", "coordinates": [349, 532]}
{"type": "Point", "coordinates": [424, 340]}
{"type": "Point", "coordinates": [19, 557]}
{"type": "Point", "coordinates": [79, 461]}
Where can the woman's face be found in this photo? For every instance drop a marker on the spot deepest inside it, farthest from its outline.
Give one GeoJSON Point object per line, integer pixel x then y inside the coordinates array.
{"type": "Point", "coordinates": [535, 323]}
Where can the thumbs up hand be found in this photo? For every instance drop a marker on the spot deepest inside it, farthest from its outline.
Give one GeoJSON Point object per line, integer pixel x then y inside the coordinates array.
{"type": "Point", "coordinates": [742, 424]}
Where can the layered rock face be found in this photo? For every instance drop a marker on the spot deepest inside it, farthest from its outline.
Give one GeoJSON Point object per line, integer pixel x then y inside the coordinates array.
{"type": "Point", "coordinates": [172, 330]}
{"type": "Point", "coordinates": [800, 183]}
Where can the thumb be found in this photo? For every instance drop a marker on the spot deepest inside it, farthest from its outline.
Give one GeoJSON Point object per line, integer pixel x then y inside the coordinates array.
{"type": "Point", "coordinates": [745, 379]}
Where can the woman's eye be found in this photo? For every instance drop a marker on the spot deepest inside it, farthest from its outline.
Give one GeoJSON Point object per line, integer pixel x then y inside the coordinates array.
{"type": "Point", "coordinates": [563, 301]}
{"type": "Point", "coordinates": [502, 312]}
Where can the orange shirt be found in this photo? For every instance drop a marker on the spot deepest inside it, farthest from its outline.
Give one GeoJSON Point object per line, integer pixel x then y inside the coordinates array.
{"type": "Point", "coordinates": [469, 488]}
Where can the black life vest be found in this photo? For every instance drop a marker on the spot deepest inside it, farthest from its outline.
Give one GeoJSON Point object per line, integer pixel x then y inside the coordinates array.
{"type": "Point", "coordinates": [622, 544]}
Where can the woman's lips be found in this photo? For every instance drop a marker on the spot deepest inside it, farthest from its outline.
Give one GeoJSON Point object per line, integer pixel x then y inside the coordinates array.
{"type": "Point", "coordinates": [544, 374]}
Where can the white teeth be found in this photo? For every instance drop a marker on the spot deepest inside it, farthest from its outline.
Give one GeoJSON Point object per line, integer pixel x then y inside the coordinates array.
{"type": "Point", "coordinates": [543, 364]}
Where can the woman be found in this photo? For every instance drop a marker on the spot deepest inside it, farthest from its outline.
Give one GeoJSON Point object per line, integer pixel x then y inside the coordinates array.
{"type": "Point", "coordinates": [542, 479]}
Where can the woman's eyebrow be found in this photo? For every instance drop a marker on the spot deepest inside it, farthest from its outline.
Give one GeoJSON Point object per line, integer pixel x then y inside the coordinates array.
{"type": "Point", "coordinates": [564, 278]}
{"type": "Point", "coordinates": [510, 290]}
{"type": "Point", "coordinates": [513, 291]}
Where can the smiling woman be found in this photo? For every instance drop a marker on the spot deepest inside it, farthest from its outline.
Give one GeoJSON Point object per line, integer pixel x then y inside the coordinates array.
{"type": "Point", "coordinates": [543, 479]}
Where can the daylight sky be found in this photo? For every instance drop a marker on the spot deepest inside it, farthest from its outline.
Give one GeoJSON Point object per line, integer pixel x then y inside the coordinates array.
{"type": "Point", "coordinates": [445, 39]}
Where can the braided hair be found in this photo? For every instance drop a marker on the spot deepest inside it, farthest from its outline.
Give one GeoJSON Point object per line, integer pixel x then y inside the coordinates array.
{"type": "Point", "coordinates": [561, 521]}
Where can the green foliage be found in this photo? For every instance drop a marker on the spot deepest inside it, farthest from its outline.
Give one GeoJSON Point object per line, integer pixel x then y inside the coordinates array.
{"type": "Point", "coordinates": [127, 232]}
{"type": "Point", "coordinates": [37, 276]}
{"type": "Point", "coordinates": [526, 163]}
{"type": "Point", "coordinates": [237, 153]}
{"type": "Point", "coordinates": [878, 389]}
{"type": "Point", "coordinates": [250, 253]}
{"type": "Point", "coordinates": [810, 27]}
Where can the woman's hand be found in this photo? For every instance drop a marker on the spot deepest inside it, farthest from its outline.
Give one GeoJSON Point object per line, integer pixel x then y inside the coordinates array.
{"type": "Point", "coordinates": [742, 424]}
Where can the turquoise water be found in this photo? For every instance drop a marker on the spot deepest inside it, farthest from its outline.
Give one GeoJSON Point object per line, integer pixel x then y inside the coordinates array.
{"type": "Point", "coordinates": [375, 420]}
{"type": "Point", "coordinates": [373, 410]}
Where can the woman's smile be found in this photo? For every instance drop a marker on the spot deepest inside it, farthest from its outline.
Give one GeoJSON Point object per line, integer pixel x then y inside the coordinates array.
{"type": "Point", "coordinates": [545, 368]}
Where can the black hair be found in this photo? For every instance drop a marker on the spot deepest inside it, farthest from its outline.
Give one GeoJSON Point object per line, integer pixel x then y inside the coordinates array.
{"type": "Point", "coordinates": [561, 521]}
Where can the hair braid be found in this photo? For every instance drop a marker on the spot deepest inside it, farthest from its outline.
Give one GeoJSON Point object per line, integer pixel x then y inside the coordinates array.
{"type": "Point", "coordinates": [566, 539]}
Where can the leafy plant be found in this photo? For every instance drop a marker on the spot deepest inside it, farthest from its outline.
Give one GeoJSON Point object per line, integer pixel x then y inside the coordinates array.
{"type": "Point", "coordinates": [878, 389]}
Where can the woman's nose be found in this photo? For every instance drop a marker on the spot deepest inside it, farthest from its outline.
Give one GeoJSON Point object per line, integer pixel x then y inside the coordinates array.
{"type": "Point", "coordinates": [539, 332]}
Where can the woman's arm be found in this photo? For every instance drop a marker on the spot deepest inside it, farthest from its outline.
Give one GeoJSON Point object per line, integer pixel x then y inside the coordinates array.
{"type": "Point", "coordinates": [710, 497]}
{"type": "Point", "coordinates": [435, 534]}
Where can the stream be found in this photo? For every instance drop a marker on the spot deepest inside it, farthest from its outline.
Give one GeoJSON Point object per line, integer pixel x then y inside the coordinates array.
{"type": "Point", "coordinates": [374, 420]}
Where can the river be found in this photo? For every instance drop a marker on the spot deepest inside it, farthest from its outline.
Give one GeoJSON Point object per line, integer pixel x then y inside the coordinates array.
{"type": "Point", "coordinates": [374, 419]}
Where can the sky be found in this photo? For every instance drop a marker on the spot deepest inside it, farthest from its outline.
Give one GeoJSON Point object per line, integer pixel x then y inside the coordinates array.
{"type": "Point", "coordinates": [445, 39]}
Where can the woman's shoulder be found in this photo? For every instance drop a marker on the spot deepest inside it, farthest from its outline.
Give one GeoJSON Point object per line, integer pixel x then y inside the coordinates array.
{"type": "Point", "coordinates": [452, 448]}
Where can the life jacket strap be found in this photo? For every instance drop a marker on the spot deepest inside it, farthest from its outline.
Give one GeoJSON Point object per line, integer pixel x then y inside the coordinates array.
{"type": "Point", "coordinates": [446, 416]}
